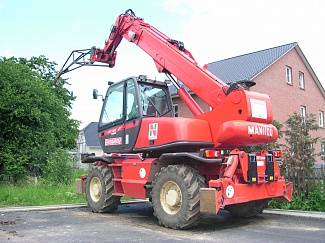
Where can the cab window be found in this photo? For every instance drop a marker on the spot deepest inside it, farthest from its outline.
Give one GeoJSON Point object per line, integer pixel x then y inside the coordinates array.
{"type": "Point", "coordinates": [154, 100]}
{"type": "Point", "coordinates": [132, 106]}
{"type": "Point", "coordinates": [113, 106]}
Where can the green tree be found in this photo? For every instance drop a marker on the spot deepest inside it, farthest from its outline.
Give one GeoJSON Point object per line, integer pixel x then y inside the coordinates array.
{"type": "Point", "coordinates": [299, 154]}
{"type": "Point", "coordinates": [35, 116]}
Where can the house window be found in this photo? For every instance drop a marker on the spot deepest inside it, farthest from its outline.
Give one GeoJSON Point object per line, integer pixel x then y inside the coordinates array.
{"type": "Point", "coordinates": [301, 80]}
{"type": "Point", "coordinates": [322, 150]}
{"type": "Point", "coordinates": [303, 111]}
{"type": "Point", "coordinates": [303, 115]}
{"type": "Point", "coordinates": [292, 149]}
{"type": "Point", "coordinates": [311, 147]}
{"type": "Point", "coordinates": [175, 107]}
{"type": "Point", "coordinates": [289, 75]}
{"type": "Point", "coordinates": [321, 118]}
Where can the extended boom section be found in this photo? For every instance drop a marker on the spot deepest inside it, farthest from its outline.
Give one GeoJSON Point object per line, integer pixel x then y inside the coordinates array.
{"type": "Point", "coordinates": [169, 56]}
{"type": "Point", "coordinates": [228, 103]}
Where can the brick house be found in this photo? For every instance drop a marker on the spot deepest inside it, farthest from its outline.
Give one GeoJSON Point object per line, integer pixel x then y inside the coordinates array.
{"type": "Point", "coordinates": [284, 74]}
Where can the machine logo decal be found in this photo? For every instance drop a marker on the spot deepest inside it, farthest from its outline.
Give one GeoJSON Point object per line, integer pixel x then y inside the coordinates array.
{"type": "Point", "coordinates": [142, 173]}
{"type": "Point", "coordinates": [230, 191]}
{"type": "Point", "coordinates": [260, 130]}
{"type": "Point", "coordinates": [153, 131]}
{"type": "Point", "coordinates": [113, 141]}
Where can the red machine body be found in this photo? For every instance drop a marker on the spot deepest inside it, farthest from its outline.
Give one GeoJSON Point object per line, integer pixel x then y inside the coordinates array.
{"type": "Point", "coordinates": [186, 166]}
{"type": "Point", "coordinates": [251, 110]}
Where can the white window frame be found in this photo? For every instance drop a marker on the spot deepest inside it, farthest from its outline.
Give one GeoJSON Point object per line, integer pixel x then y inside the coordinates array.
{"type": "Point", "coordinates": [289, 75]}
{"type": "Point", "coordinates": [321, 118]}
{"type": "Point", "coordinates": [301, 80]}
{"type": "Point", "coordinates": [322, 149]}
{"type": "Point", "coordinates": [303, 115]}
{"type": "Point", "coordinates": [292, 148]}
{"type": "Point", "coordinates": [303, 111]}
{"type": "Point", "coordinates": [175, 109]}
{"type": "Point", "coordinates": [311, 146]}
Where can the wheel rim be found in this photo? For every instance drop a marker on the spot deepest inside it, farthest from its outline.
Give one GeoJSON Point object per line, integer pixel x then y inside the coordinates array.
{"type": "Point", "coordinates": [95, 189]}
{"type": "Point", "coordinates": [171, 197]}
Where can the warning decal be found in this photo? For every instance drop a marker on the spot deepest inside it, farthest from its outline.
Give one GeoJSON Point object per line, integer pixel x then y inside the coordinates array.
{"type": "Point", "coordinates": [153, 131]}
{"type": "Point", "coordinates": [259, 109]}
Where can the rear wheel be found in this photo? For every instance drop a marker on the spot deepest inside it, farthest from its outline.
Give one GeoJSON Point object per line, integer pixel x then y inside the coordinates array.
{"type": "Point", "coordinates": [247, 209]}
{"type": "Point", "coordinates": [175, 196]}
{"type": "Point", "coordinates": [99, 190]}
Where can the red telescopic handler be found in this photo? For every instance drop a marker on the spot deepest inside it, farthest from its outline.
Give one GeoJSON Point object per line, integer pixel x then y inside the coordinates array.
{"type": "Point", "coordinates": [185, 166]}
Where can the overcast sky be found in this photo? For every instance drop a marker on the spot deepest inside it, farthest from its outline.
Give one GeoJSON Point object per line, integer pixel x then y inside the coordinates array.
{"type": "Point", "coordinates": [211, 30]}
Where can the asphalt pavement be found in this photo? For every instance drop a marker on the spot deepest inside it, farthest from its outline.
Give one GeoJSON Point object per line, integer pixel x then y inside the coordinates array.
{"type": "Point", "coordinates": [293, 213]}
{"type": "Point", "coordinates": [134, 222]}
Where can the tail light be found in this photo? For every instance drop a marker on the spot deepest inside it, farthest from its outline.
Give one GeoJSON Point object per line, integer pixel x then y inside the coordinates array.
{"type": "Point", "coordinates": [212, 153]}
{"type": "Point", "coordinates": [277, 153]}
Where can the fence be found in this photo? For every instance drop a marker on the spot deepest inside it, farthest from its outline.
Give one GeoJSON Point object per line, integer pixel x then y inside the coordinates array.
{"type": "Point", "coordinates": [303, 181]}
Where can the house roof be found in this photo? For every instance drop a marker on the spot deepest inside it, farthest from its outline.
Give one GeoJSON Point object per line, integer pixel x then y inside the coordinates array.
{"type": "Point", "coordinates": [248, 66]}
{"type": "Point", "coordinates": [91, 134]}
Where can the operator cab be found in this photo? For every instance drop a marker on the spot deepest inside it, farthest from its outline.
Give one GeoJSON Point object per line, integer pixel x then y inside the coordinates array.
{"type": "Point", "coordinates": [125, 104]}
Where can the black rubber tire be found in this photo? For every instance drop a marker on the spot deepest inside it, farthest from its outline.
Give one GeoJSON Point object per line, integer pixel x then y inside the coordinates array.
{"type": "Point", "coordinates": [99, 190]}
{"type": "Point", "coordinates": [247, 209]}
{"type": "Point", "coordinates": [187, 210]}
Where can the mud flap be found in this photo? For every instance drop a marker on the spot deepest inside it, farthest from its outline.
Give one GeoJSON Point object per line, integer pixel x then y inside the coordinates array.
{"type": "Point", "coordinates": [210, 200]}
{"type": "Point", "coordinates": [80, 186]}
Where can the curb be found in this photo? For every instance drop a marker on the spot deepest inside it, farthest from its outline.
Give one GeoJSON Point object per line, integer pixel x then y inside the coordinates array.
{"type": "Point", "coordinates": [41, 208]}
{"type": "Point", "coordinates": [55, 207]}
{"type": "Point", "coordinates": [296, 213]}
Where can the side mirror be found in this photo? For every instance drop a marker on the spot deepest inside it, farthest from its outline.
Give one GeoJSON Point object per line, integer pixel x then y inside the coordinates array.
{"type": "Point", "coordinates": [95, 94]}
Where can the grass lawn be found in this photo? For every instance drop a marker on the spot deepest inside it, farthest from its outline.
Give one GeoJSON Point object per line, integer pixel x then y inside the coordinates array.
{"type": "Point", "coordinates": [38, 195]}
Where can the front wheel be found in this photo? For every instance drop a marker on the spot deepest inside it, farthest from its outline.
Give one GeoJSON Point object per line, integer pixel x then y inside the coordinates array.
{"type": "Point", "coordinates": [175, 196]}
{"type": "Point", "coordinates": [100, 188]}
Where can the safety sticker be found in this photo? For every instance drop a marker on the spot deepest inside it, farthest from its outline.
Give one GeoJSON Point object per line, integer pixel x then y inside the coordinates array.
{"type": "Point", "coordinates": [260, 160]}
{"type": "Point", "coordinates": [142, 173]}
{"type": "Point", "coordinates": [230, 191]}
{"type": "Point", "coordinates": [259, 109]}
{"type": "Point", "coordinates": [153, 131]}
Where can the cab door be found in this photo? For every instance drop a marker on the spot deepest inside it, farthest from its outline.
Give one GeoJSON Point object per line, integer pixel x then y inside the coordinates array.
{"type": "Point", "coordinates": [120, 118]}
